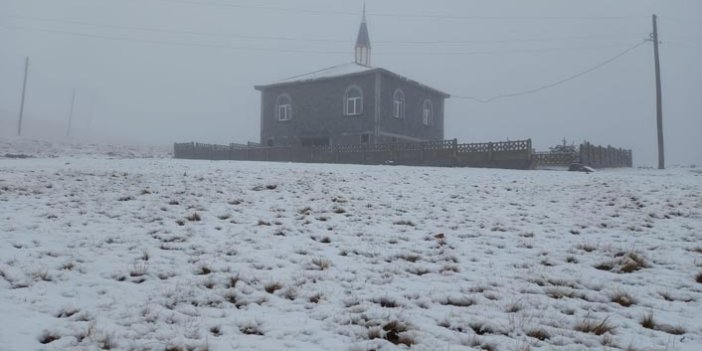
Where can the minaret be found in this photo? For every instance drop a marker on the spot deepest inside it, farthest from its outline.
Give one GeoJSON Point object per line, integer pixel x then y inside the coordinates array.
{"type": "Point", "coordinates": [363, 45]}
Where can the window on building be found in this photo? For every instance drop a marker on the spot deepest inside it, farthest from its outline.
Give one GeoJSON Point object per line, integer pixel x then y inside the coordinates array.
{"type": "Point", "coordinates": [398, 104]}
{"type": "Point", "coordinates": [283, 107]}
{"type": "Point", "coordinates": [365, 138]}
{"type": "Point", "coordinates": [427, 113]}
{"type": "Point", "coordinates": [353, 101]}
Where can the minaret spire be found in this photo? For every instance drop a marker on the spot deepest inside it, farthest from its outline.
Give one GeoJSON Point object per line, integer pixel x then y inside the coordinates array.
{"type": "Point", "coordinates": [363, 45]}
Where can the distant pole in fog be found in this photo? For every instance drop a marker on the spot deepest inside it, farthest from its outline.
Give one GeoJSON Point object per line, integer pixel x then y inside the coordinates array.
{"type": "Point", "coordinates": [24, 92]}
{"type": "Point", "coordinates": [659, 95]}
{"type": "Point", "coordinates": [70, 116]}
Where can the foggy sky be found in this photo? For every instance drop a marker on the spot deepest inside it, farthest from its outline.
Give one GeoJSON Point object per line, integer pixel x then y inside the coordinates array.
{"type": "Point", "coordinates": [167, 87]}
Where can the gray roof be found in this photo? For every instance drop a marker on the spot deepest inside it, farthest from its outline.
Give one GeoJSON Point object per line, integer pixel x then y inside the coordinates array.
{"type": "Point", "coordinates": [344, 70]}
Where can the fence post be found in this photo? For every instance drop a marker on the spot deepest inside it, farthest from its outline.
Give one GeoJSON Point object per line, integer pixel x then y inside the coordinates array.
{"type": "Point", "coordinates": [455, 151]}
{"type": "Point", "coordinates": [337, 153]}
{"type": "Point", "coordinates": [421, 153]}
{"type": "Point", "coordinates": [490, 147]}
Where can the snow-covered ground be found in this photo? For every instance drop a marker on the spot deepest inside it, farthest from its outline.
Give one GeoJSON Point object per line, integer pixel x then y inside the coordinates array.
{"type": "Point", "coordinates": [158, 254]}
{"type": "Point", "coordinates": [22, 147]}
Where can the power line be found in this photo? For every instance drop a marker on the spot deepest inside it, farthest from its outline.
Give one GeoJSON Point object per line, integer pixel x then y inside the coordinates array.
{"type": "Point", "coordinates": [173, 43]}
{"type": "Point", "coordinates": [493, 52]}
{"type": "Point", "coordinates": [278, 50]}
{"type": "Point", "coordinates": [506, 41]}
{"type": "Point", "coordinates": [562, 81]}
{"type": "Point", "coordinates": [395, 15]}
{"type": "Point", "coordinates": [170, 31]}
{"type": "Point", "coordinates": [293, 39]}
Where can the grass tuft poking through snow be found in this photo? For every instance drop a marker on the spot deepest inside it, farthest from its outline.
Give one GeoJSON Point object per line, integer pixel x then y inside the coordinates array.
{"type": "Point", "coordinates": [593, 326]}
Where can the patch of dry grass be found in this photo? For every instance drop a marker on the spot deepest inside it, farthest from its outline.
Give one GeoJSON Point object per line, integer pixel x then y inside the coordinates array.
{"type": "Point", "coordinates": [592, 326]}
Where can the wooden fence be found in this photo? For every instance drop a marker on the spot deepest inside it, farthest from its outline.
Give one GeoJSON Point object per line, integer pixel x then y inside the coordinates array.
{"type": "Point", "coordinates": [446, 153]}
{"type": "Point", "coordinates": [605, 157]}
{"type": "Point", "coordinates": [588, 154]}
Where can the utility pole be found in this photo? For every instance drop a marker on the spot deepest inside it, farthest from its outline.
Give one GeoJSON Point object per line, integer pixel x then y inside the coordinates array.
{"type": "Point", "coordinates": [24, 91]}
{"type": "Point", "coordinates": [659, 95]}
{"type": "Point", "coordinates": [70, 116]}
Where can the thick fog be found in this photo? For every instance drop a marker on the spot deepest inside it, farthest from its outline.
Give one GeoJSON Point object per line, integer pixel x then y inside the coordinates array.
{"type": "Point", "coordinates": [155, 72]}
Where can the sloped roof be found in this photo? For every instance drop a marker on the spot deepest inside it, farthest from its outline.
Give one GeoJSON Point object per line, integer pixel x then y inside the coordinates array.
{"type": "Point", "coordinates": [329, 72]}
{"type": "Point", "coordinates": [343, 70]}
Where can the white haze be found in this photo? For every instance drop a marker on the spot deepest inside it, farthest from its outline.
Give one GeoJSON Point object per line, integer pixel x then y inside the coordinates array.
{"type": "Point", "coordinates": [154, 93]}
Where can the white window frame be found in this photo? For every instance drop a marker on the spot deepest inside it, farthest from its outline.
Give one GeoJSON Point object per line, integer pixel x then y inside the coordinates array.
{"type": "Point", "coordinates": [353, 105]}
{"type": "Point", "coordinates": [427, 113]}
{"type": "Point", "coordinates": [283, 108]}
{"type": "Point", "coordinates": [398, 104]}
{"type": "Point", "coordinates": [284, 112]}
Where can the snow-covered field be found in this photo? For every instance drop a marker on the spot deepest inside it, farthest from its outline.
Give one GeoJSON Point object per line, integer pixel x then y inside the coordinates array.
{"type": "Point", "coordinates": [161, 254]}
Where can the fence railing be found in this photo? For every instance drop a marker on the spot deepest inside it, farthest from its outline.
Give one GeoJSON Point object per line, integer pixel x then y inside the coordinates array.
{"type": "Point", "coordinates": [587, 154]}
{"type": "Point", "coordinates": [605, 157]}
{"type": "Point", "coordinates": [444, 153]}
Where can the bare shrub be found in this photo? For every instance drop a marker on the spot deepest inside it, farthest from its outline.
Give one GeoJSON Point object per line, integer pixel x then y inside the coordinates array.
{"type": "Point", "coordinates": [290, 294]}
{"type": "Point", "coordinates": [387, 302]}
{"type": "Point", "coordinates": [315, 298]}
{"type": "Point", "coordinates": [587, 247]}
{"type": "Point", "coordinates": [539, 334]}
{"type": "Point", "coordinates": [106, 342]}
{"type": "Point", "coordinates": [513, 308]}
{"type": "Point", "coordinates": [138, 270]}
{"type": "Point", "coordinates": [482, 328]}
{"type": "Point", "coordinates": [632, 262]}
{"type": "Point", "coordinates": [232, 281]}
{"type": "Point", "coordinates": [320, 264]}
{"type": "Point", "coordinates": [66, 312]}
{"type": "Point", "coordinates": [195, 217]}
{"type": "Point", "coordinates": [591, 326]}
{"type": "Point", "coordinates": [698, 278]}
{"type": "Point", "coordinates": [48, 337]}
{"type": "Point", "coordinates": [560, 293]}
{"type": "Point", "coordinates": [409, 257]}
{"type": "Point", "coordinates": [405, 222]}
{"type": "Point", "coordinates": [203, 270]}
{"type": "Point", "coordinates": [216, 331]}
{"type": "Point", "coordinates": [396, 333]}
{"type": "Point", "coordinates": [623, 299]}
{"type": "Point", "coordinates": [649, 323]}
{"type": "Point", "coordinates": [251, 329]}
{"type": "Point", "coordinates": [273, 287]}
{"type": "Point", "coordinates": [673, 330]}
{"type": "Point", "coordinates": [624, 262]}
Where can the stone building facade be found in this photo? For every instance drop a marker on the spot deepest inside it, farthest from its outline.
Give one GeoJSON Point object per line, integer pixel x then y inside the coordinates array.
{"type": "Point", "coordinates": [349, 104]}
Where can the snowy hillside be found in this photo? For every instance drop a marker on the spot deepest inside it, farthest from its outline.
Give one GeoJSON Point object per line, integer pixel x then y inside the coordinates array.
{"type": "Point", "coordinates": [161, 254]}
{"type": "Point", "coordinates": [23, 147]}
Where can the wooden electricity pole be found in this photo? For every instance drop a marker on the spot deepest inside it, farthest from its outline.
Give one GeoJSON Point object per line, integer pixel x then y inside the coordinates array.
{"type": "Point", "coordinates": [659, 95]}
{"type": "Point", "coordinates": [24, 91]}
{"type": "Point", "coordinates": [70, 116]}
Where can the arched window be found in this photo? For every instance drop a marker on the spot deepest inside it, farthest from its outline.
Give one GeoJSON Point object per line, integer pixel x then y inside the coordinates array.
{"type": "Point", "coordinates": [398, 104]}
{"type": "Point", "coordinates": [353, 101]}
{"type": "Point", "coordinates": [283, 107]}
{"type": "Point", "coordinates": [427, 113]}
